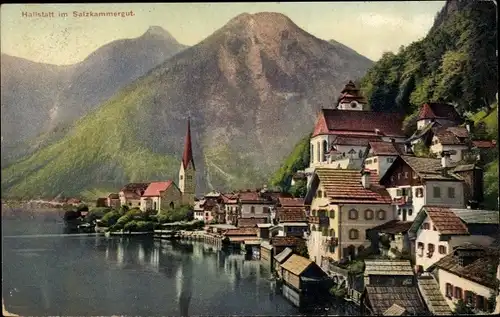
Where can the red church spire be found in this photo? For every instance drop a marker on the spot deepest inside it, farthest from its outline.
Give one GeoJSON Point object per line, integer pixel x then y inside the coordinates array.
{"type": "Point", "coordinates": [187, 156]}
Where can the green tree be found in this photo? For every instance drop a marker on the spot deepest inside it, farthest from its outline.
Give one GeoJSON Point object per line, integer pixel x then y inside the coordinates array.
{"type": "Point", "coordinates": [302, 250]}
{"type": "Point", "coordinates": [462, 309]}
{"type": "Point", "coordinates": [299, 189]}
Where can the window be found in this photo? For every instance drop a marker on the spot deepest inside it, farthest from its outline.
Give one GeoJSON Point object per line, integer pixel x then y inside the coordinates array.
{"type": "Point", "coordinates": [265, 209]}
{"type": "Point", "coordinates": [419, 192]}
{"type": "Point", "coordinates": [313, 228]}
{"type": "Point", "coordinates": [360, 154]}
{"type": "Point", "coordinates": [368, 162]}
{"type": "Point", "coordinates": [480, 302]}
{"type": "Point", "coordinates": [353, 104]}
{"type": "Point", "coordinates": [406, 175]}
{"type": "Point", "coordinates": [426, 226]}
{"type": "Point", "coordinates": [392, 178]}
{"type": "Point", "coordinates": [252, 209]}
{"type": "Point", "coordinates": [451, 192]}
{"type": "Point", "coordinates": [368, 214]}
{"type": "Point", "coordinates": [420, 249]}
{"type": "Point", "coordinates": [430, 250]}
{"type": "Point", "coordinates": [399, 192]}
{"type": "Point", "coordinates": [375, 160]}
{"type": "Point", "coordinates": [469, 298]}
{"type": "Point", "coordinates": [458, 293]}
{"type": "Point", "coordinates": [410, 212]}
{"type": "Point", "coordinates": [434, 228]}
{"type": "Point", "coordinates": [331, 213]}
{"type": "Point", "coordinates": [390, 160]}
{"type": "Point", "coordinates": [318, 153]}
{"type": "Point", "coordinates": [325, 149]}
{"type": "Point", "coordinates": [381, 214]}
{"type": "Point", "coordinates": [353, 234]}
{"type": "Point", "coordinates": [312, 153]}
{"type": "Point", "coordinates": [353, 214]}
{"type": "Point", "coordinates": [130, 204]}
{"type": "Point", "coordinates": [399, 212]}
{"type": "Point", "coordinates": [182, 177]}
{"type": "Point", "coordinates": [399, 175]}
{"type": "Point", "coordinates": [154, 205]}
{"type": "Point", "coordinates": [331, 233]}
{"type": "Point", "coordinates": [449, 290]}
{"type": "Point", "coordinates": [436, 192]}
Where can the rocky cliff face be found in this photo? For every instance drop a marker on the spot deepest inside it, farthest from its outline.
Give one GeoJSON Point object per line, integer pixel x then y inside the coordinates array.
{"type": "Point", "coordinates": [252, 90]}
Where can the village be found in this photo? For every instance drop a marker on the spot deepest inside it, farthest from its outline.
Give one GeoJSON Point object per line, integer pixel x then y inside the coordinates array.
{"type": "Point", "coordinates": [393, 224]}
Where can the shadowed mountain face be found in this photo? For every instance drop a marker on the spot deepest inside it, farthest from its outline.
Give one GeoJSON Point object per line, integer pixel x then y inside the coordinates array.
{"type": "Point", "coordinates": [252, 89]}
{"type": "Point", "coordinates": [39, 98]}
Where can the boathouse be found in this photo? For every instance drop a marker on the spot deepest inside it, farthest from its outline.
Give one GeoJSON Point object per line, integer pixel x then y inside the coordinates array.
{"type": "Point", "coordinates": [280, 259]}
{"type": "Point", "coordinates": [266, 254]}
{"type": "Point", "coordinates": [304, 281]}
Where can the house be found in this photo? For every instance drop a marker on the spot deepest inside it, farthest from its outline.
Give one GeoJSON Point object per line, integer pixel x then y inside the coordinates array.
{"type": "Point", "coordinates": [113, 201]}
{"type": "Point", "coordinates": [101, 202]}
{"type": "Point", "coordinates": [479, 222]}
{"type": "Point", "coordinates": [388, 273]}
{"type": "Point", "coordinates": [264, 232]}
{"type": "Point", "coordinates": [433, 298]}
{"type": "Point", "coordinates": [344, 204]}
{"type": "Point", "coordinates": [130, 194]}
{"type": "Point", "coordinates": [239, 235]}
{"type": "Point", "coordinates": [348, 133]}
{"type": "Point", "coordinates": [442, 114]}
{"type": "Point", "coordinates": [379, 156]}
{"type": "Point", "coordinates": [303, 281]}
{"type": "Point", "coordinates": [160, 196]}
{"type": "Point", "coordinates": [256, 204]}
{"type": "Point", "coordinates": [231, 207]}
{"type": "Point", "coordinates": [468, 273]}
{"type": "Point", "coordinates": [472, 176]}
{"type": "Point", "coordinates": [281, 258]}
{"type": "Point", "coordinates": [198, 211]}
{"type": "Point", "coordinates": [291, 221]}
{"type": "Point", "coordinates": [266, 253]}
{"type": "Point", "coordinates": [455, 140]}
{"type": "Point", "coordinates": [290, 202]}
{"type": "Point", "coordinates": [416, 181]}
{"type": "Point", "coordinates": [395, 233]}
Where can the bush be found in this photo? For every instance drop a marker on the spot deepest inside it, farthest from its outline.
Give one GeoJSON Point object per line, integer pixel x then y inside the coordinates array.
{"type": "Point", "coordinates": [145, 226]}
{"type": "Point", "coordinates": [130, 226]}
{"type": "Point", "coordinates": [71, 215]}
{"type": "Point", "coordinates": [110, 218]}
{"type": "Point", "coordinates": [96, 213]}
{"type": "Point", "coordinates": [180, 213]}
{"type": "Point", "coordinates": [82, 207]}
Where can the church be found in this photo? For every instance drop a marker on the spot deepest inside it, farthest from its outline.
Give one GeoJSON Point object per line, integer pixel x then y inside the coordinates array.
{"type": "Point", "coordinates": [165, 195]}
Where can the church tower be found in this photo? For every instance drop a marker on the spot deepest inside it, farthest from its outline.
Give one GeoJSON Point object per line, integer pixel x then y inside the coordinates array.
{"type": "Point", "coordinates": [187, 179]}
{"type": "Point", "coordinates": [351, 98]}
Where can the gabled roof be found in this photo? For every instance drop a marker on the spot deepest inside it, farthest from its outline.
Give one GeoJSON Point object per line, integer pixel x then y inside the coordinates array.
{"type": "Point", "coordinates": [344, 186]}
{"type": "Point", "coordinates": [484, 144]}
{"type": "Point", "coordinates": [394, 227]}
{"type": "Point", "coordinates": [382, 298]}
{"type": "Point", "coordinates": [434, 110]}
{"type": "Point", "coordinates": [445, 221]}
{"type": "Point", "coordinates": [291, 214]}
{"type": "Point", "coordinates": [426, 168]}
{"type": "Point", "coordinates": [471, 216]}
{"type": "Point", "coordinates": [296, 264]}
{"type": "Point", "coordinates": [283, 255]}
{"type": "Point", "coordinates": [452, 135]}
{"type": "Point", "coordinates": [254, 197]}
{"type": "Point", "coordinates": [479, 270]}
{"type": "Point", "coordinates": [134, 190]}
{"type": "Point", "coordinates": [241, 232]}
{"type": "Point", "coordinates": [429, 288]}
{"type": "Point", "coordinates": [154, 188]}
{"type": "Point", "coordinates": [388, 267]}
{"type": "Point", "coordinates": [386, 148]}
{"type": "Point", "coordinates": [187, 155]}
{"type": "Point", "coordinates": [333, 121]}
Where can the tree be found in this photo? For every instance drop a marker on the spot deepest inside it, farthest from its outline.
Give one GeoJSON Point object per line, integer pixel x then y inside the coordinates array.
{"type": "Point", "coordinates": [302, 250]}
{"type": "Point", "coordinates": [299, 189]}
{"type": "Point", "coordinates": [82, 207]}
{"type": "Point", "coordinates": [462, 309]}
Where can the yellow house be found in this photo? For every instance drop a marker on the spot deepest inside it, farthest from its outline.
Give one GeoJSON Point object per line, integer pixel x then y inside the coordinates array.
{"type": "Point", "coordinates": [343, 205]}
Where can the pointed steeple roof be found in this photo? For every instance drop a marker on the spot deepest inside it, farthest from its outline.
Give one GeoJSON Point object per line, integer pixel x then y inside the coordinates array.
{"type": "Point", "coordinates": [187, 155]}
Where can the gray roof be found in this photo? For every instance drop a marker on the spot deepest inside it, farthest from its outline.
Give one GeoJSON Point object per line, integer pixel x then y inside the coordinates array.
{"type": "Point", "coordinates": [433, 297]}
{"type": "Point", "coordinates": [395, 310]}
{"type": "Point", "coordinates": [388, 267]}
{"type": "Point", "coordinates": [283, 255]}
{"type": "Point", "coordinates": [382, 298]}
{"type": "Point", "coordinates": [471, 216]}
{"type": "Point", "coordinates": [294, 224]}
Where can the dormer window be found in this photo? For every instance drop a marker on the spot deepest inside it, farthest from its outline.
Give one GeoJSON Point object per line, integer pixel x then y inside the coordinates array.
{"type": "Point", "coordinates": [353, 104]}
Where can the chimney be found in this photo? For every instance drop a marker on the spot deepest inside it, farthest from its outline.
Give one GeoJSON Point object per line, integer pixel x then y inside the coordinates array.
{"type": "Point", "coordinates": [445, 159]}
{"type": "Point", "coordinates": [365, 178]}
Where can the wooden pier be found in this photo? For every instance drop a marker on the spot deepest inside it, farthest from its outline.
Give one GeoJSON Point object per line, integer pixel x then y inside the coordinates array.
{"type": "Point", "coordinates": [202, 236]}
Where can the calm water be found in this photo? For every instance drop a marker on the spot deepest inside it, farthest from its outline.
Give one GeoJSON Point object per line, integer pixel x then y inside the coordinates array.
{"type": "Point", "coordinates": [46, 272]}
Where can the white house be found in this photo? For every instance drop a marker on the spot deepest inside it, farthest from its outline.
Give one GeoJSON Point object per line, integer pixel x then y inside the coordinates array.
{"type": "Point", "coordinates": [441, 113]}
{"type": "Point", "coordinates": [465, 273]}
{"type": "Point", "coordinates": [451, 139]}
{"type": "Point", "coordinates": [414, 182]}
{"type": "Point", "coordinates": [255, 204]}
{"type": "Point", "coordinates": [380, 155]}
{"type": "Point", "coordinates": [130, 194]}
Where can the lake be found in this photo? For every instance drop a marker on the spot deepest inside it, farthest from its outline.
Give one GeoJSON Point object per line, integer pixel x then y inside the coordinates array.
{"type": "Point", "coordinates": [47, 272]}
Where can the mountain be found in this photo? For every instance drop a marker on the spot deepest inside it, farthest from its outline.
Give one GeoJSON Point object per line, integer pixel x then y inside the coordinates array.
{"type": "Point", "coordinates": [252, 89]}
{"type": "Point", "coordinates": [40, 100]}
{"type": "Point", "coordinates": [456, 62]}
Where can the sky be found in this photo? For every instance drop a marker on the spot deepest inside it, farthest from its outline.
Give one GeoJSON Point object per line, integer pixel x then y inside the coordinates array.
{"type": "Point", "coordinates": [370, 28]}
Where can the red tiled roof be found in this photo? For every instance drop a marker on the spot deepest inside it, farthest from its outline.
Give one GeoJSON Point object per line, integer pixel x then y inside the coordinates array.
{"type": "Point", "coordinates": [433, 110]}
{"type": "Point", "coordinates": [155, 188]}
{"type": "Point", "coordinates": [344, 185]}
{"type": "Point", "coordinates": [445, 220]}
{"type": "Point", "coordinates": [452, 135]}
{"type": "Point", "coordinates": [332, 121]}
{"type": "Point", "coordinates": [291, 214]}
{"type": "Point", "coordinates": [241, 232]}
{"type": "Point", "coordinates": [394, 227]}
{"type": "Point", "coordinates": [229, 198]}
{"type": "Point", "coordinates": [359, 140]}
{"type": "Point", "coordinates": [291, 202]}
{"type": "Point", "coordinates": [252, 197]}
{"type": "Point", "coordinates": [484, 144]}
{"type": "Point", "coordinates": [286, 241]}
{"type": "Point", "coordinates": [459, 132]}
{"type": "Point", "coordinates": [187, 155]}
{"type": "Point", "coordinates": [386, 148]}
{"type": "Point", "coordinates": [250, 222]}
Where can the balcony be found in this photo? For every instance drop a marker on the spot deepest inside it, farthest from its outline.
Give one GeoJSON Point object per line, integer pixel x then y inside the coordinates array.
{"type": "Point", "coordinates": [402, 200]}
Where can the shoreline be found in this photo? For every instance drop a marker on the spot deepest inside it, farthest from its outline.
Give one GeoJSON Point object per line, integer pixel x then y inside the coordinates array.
{"type": "Point", "coordinates": [5, 312]}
